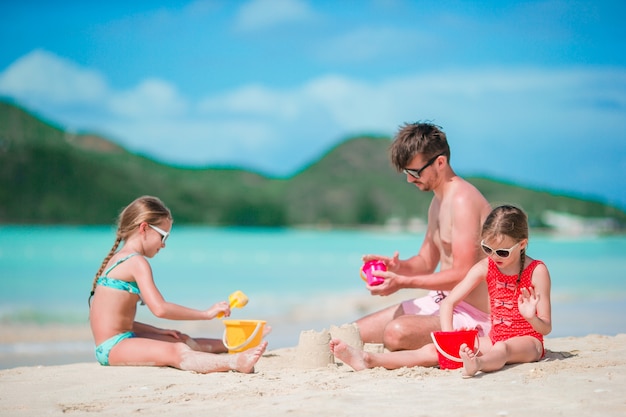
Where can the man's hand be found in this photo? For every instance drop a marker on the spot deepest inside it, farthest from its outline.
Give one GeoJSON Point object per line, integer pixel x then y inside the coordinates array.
{"type": "Point", "coordinates": [392, 283]}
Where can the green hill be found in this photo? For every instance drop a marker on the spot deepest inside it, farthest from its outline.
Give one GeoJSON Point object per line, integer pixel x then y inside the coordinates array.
{"type": "Point", "coordinates": [50, 176]}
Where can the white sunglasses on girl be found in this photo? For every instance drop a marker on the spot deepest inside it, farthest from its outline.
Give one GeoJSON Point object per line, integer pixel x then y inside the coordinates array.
{"type": "Point", "coordinates": [502, 253]}
{"type": "Point", "coordinates": [163, 233]}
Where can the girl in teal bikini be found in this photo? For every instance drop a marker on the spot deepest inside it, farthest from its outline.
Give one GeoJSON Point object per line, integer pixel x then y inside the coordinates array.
{"type": "Point", "coordinates": [143, 227]}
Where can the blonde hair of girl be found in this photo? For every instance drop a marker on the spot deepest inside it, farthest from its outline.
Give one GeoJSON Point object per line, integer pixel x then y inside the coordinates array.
{"type": "Point", "coordinates": [147, 209]}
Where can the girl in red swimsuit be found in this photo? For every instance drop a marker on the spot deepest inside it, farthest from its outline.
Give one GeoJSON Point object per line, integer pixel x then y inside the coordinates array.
{"type": "Point", "coordinates": [519, 295]}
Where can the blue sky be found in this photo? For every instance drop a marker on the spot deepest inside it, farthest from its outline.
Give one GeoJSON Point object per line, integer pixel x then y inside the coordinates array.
{"type": "Point", "coordinates": [532, 92]}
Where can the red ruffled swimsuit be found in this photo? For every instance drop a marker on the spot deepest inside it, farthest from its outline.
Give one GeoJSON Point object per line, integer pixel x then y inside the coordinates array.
{"type": "Point", "coordinates": [506, 320]}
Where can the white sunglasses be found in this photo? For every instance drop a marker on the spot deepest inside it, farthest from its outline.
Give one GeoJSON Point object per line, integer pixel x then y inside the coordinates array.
{"type": "Point", "coordinates": [502, 253]}
{"type": "Point", "coordinates": [163, 233]}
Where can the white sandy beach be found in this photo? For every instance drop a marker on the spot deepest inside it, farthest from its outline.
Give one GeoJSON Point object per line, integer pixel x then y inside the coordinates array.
{"type": "Point", "coordinates": [580, 376]}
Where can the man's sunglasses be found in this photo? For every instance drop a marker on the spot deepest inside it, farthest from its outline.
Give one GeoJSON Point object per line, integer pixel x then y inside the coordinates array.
{"type": "Point", "coordinates": [502, 253]}
{"type": "Point", "coordinates": [163, 233]}
{"type": "Point", "coordinates": [415, 173]}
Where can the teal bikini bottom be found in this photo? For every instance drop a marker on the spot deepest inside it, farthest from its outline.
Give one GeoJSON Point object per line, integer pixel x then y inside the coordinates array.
{"type": "Point", "coordinates": [103, 350]}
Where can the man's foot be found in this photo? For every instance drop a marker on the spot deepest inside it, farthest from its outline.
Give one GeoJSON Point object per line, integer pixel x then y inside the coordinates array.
{"type": "Point", "coordinates": [471, 362]}
{"type": "Point", "coordinates": [357, 359]}
{"type": "Point", "coordinates": [247, 359]}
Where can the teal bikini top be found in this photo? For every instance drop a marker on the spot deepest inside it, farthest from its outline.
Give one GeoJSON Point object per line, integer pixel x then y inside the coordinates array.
{"type": "Point", "coordinates": [118, 284]}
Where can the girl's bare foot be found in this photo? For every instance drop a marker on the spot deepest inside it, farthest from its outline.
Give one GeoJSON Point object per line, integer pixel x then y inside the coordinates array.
{"type": "Point", "coordinates": [357, 359]}
{"type": "Point", "coordinates": [471, 362]}
{"type": "Point", "coordinates": [247, 359]}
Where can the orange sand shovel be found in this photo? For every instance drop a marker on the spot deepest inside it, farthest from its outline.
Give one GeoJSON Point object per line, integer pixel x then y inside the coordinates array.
{"type": "Point", "coordinates": [237, 299]}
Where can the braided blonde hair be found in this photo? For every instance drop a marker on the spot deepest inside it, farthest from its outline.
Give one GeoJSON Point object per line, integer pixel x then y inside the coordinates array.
{"type": "Point", "coordinates": [144, 209]}
{"type": "Point", "coordinates": [508, 221]}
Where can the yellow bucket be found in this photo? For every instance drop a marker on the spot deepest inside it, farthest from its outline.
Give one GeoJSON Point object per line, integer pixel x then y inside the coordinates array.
{"type": "Point", "coordinates": [240, 335]}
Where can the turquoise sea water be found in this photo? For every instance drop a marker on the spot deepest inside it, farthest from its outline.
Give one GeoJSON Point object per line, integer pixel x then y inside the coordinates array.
{"type": "Point", "coordinates": [296, 279]}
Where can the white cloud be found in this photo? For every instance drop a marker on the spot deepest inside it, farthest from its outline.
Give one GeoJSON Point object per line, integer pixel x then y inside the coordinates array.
{"type": "Point", "coordinates": [261, 14]}
{"type": "Point", "coordinates": [506, 95]}
{"type": "Point", "coordinates": [251, 100]}
{"type": "Point", "coordinates": [45, 76]}
{"type": "Point", "coordinates": [195, 141]}
{"type": "Point", "coordinates": [41, 78]}
{"type": "Point", "coordinates": [489, 114]}
{"type": "Point", "coordinates": [352, 106]}
{"type": "Point", "coordinates": [152, 98]}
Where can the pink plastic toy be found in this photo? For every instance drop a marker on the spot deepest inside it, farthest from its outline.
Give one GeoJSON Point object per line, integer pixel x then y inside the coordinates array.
{"type": "Point", "coordinates": [368, 268]}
